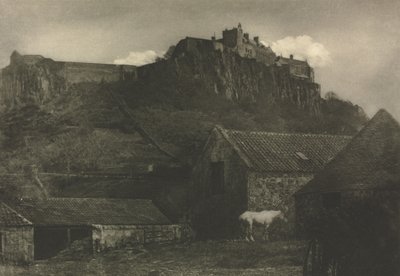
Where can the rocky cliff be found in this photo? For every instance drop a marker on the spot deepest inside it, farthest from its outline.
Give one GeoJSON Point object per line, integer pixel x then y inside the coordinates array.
{"type": "Point", "coordinates": [240, 80]}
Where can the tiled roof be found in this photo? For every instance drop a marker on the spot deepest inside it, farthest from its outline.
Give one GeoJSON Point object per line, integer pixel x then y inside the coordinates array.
{"type": "Point", "coordinates": [9, 217]}
{"type": "Point", "coordinates": [370, 161]}
{"type": "Point", "coordinates": [284, 152]}
{"type": "Point", "coordinates": [88, 211]}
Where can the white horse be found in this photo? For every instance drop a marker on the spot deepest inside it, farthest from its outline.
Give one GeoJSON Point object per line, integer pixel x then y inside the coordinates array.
{"type": "Point", "coordinates": [264, 218]}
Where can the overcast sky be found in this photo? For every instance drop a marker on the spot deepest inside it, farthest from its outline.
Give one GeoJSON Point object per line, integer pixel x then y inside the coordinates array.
{"type": "Point", "coordinates": [354, 45]}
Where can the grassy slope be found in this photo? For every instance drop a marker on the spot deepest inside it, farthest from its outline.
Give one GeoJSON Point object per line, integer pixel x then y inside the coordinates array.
{"type": "Point", "coordinates": [200, 258]}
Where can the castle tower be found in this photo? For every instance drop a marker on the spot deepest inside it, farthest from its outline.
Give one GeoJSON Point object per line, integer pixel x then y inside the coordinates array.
{"type": "Point", "coordinates": [233, 38]}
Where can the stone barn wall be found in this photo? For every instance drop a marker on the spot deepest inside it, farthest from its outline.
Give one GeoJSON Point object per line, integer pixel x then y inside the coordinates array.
{"type": "Point", "coordinates": [268, 191]}
{"type": "Point", "coordinates": [274, 191]}
{"type": "Point", "coordinates": [115, 236]}
{"type": "Point", "coordinates": [17, 244]}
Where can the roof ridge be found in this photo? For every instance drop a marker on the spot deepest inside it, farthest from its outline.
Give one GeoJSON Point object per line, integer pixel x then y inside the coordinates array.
{"type": "Point", "coordinates": [240, 152]}
{"type": "Point", "coordinates": [94, 198]}
{"type": "Point", "coordinates": [287, 133]}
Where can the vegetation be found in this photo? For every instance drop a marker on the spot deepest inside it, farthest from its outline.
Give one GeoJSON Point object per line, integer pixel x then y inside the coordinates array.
{"type": "Point", "coordinates": [199, 258]}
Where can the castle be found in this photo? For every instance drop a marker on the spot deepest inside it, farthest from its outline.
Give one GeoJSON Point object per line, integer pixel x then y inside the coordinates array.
{"type": "Point", "coordinates": [36, 79]}
{"type": "Point", "coordinates": [239, 42]}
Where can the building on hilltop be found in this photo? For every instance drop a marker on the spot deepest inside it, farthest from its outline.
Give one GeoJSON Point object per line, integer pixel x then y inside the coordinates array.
{"type": "Point", "coordinates": [239, 42]}
{"type": "Point", "coordinates": [298, 68]}
{"type": "Point", "coordinates": [242, 170]}
{"type": "Point", "coordinates": [38, 229]}
{"type": "Point", "coordinates": [234, 40]}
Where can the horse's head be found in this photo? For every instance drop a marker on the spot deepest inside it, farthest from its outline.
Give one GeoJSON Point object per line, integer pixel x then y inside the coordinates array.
{"type": "Point", "coordinates": [282, 216]}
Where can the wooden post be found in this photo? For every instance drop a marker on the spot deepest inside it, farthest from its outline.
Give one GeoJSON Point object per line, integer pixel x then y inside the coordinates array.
{"type": "Point", "coordinates": [305, 264]}
{"type": "Point", "coordinates": [68, 237]}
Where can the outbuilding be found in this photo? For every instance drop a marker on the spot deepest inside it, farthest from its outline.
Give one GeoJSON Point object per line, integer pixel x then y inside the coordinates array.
{"type": "Point", "coordinates": [253, 170]}
{"type": "Point", "coordinates": [349, 212]}
{"type": "Point", "coordinates": [38, 229]}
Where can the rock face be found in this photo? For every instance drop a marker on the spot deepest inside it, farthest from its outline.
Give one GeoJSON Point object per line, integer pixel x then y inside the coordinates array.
{"type": "Point", "coordinates": [241, 80]}
{"type": "Point", "coordinates": [33, 79]}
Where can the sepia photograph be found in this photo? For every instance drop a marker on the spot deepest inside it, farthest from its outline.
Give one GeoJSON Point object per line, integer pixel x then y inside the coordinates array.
{"type": "Point", "coordinates": [196, 138]}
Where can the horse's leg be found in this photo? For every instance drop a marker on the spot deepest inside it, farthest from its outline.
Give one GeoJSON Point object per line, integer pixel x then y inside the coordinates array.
{"type": "Point", "coordinates": [266, 232]}
{"type": "Point", "coordinates": [251, 231]}
{"type": "Point", "coordinates": [247, 233]}
{"type": "Point", "coordinates": [245, 230]}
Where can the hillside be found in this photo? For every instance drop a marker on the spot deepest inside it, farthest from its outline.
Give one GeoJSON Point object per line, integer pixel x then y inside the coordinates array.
{"type": "Point", "coordinates": [149, 123]}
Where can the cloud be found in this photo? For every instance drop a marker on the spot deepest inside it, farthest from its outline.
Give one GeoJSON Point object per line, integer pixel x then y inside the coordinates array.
{"type": "Point", "coordinates": [303, 47]}
{"type": "Point", "coordinates": [138, 58]}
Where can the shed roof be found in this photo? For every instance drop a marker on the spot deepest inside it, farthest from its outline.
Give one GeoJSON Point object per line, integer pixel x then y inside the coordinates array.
{"type": "Point", "coordinates": [284, 152]}
{"type": "Point", "coordinates": [9, 217]}
{"type": "Point", "coordinates": [88, 211]}
{"type": "Point", "coordinates": [370, 161]}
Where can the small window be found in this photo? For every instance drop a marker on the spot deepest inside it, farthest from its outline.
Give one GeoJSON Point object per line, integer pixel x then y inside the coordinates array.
{"type": "Point", "coordinates": [331, 200]}
{"type": "Point", "coordinates": [302, 156]}
{"type": "Point", "coordinates": [217, 178]}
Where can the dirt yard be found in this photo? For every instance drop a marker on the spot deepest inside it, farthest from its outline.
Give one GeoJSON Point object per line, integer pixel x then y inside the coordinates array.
{"type": "Point", "coordinates": [199, 258]}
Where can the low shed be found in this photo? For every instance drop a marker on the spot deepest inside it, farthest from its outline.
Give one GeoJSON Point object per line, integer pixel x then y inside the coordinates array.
{"type": "Point", "coordinates": [53, 224]}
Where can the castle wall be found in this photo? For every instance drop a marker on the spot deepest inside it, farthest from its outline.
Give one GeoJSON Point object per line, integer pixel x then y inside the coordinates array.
{"type": "Point", "coordinates": [76, 72]}
{"type": "Point", "coordinates": [35, 79]}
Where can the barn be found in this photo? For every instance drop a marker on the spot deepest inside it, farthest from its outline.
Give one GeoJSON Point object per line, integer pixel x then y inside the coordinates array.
{"type": "Point", "coordinates": [349, 212]}
{"type": "Point", "coordinates": [250, 170]}
{"type": "Point", "coordinates": [38, 229]}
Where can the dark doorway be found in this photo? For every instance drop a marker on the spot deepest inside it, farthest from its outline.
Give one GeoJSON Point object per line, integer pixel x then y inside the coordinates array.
{"type": "Point", "coordinates": [217, 178]}
{"type": "Point", "coordinates": [49, 241]}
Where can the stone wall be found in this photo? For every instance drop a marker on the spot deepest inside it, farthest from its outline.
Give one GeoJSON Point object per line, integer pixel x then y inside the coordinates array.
{"type": "Point", "coordinates": [77, 72]}
{"type": "Point", "coordinates": [17, 244]}
{"type": "Point", "coordinates": [267, 191]}
{"type": "Point", "coordinates": [115, 236]}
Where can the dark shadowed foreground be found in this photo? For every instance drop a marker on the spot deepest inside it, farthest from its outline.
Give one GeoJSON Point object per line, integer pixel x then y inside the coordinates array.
{"type": "Point", "coordinates": [200, 258]}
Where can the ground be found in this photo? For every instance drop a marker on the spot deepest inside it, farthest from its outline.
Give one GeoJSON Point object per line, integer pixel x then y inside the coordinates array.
{"type": "Point", "coordinates": [198, 258]}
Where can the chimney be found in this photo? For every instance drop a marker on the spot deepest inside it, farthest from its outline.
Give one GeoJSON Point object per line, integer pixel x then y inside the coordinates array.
{"type": "Point", "coordinates": [256, 39]}
{"type": "Point", "coordinates": [291, 56]}
{"type": "Point", "coordinates": [246, 36]}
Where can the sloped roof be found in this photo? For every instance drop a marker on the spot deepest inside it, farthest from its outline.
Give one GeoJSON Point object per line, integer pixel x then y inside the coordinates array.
{"type": "Point", "coordinates": [370, 161]}
{"type": "Point", "coordinates": [9, 217]}
{"type": "Point", "coordinates": [88, 211]}
{"type": "Point", "coordinates": [284, 152]}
